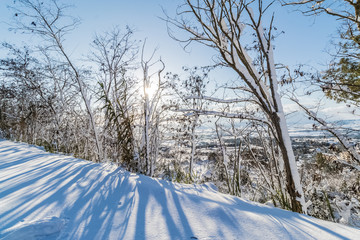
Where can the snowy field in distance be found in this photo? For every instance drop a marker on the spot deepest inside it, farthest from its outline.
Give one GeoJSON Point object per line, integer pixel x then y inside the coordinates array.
{"type": "Point", "coordinates": [52, 196]}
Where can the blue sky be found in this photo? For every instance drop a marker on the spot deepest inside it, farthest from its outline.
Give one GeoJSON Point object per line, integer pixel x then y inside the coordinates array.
{"type": "Point", "coordinates": [305, 40]}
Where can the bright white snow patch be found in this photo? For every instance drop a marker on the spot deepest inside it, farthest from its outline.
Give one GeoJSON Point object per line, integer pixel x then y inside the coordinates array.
{"type": "Point", "coordinates": [48, 196]}
{"type": "Point", "coordinates": [49, 228]}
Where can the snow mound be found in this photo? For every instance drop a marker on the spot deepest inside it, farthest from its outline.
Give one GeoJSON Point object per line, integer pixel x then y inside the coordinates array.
{"type": "Point", "coordinates": [48, 229]}
{"type": "Point", "coordinates": [100, 201]}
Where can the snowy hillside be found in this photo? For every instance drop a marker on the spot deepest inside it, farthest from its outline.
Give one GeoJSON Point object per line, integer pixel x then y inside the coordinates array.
{"type": "Point", "coordinates": [48, 196]}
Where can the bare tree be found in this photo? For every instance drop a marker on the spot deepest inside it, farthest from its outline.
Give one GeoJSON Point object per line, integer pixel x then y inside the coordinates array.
{"type": "Point", "coordinates": [115, 53]}
{"type": "Point", "coordinates": [231, 160]}
{"type": "Point", "coordinates": [348, 10]}
{"type": "Point", "coordinates": [47, 103]}
{"type": "Point", "coordinates": [50, 22]}
{"type": "Point", "coordinates": [152, 92]}
{"type": "Point", "coordinates": [223, 25]}
{"type": "Point", "coordinates": [333, 130]}
{"type": "Point", "coordinates": [340, 81]}
{"type": "Point", "coordinates": [190, 92]}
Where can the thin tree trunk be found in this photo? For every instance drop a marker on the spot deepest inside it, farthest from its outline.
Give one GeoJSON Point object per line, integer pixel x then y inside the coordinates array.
{"type": "Point", "coordinates": [193, 146]}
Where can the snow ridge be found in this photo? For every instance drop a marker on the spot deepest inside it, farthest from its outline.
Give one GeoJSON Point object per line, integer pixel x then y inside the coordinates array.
{"type": "Point", "coordinates": [49, 228]}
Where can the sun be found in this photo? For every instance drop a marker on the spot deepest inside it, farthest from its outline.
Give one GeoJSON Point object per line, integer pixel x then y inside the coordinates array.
{"type": "Point", "coordinates": [150, 91]}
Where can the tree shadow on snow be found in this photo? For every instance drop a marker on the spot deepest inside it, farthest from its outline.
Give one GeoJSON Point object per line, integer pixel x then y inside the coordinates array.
{"type": "Point", "coordinates": [99, 203]}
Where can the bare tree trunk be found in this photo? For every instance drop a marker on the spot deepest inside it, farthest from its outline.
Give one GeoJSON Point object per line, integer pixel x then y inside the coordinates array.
{"type": "Point", "coordinates": [292, 176]}
{"type": "Point", "coordinates": [146, 122]}
{"type": "Point", "coordinates": [193, 146]}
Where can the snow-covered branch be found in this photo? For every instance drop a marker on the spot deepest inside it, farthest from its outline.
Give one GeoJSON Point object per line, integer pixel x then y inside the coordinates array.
{"type": "Point", "coordinates": [244, 116]}
{"type": "Point", "coordinates": [331, 129]}
{"type": "Point", "coordinates": [220, 100]}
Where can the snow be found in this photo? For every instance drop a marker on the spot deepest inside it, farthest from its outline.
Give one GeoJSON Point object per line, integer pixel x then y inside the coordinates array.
{"type": "Point", "coordinates": [53, 196]}
{"type": "Point", "coordinates": [49, 228]}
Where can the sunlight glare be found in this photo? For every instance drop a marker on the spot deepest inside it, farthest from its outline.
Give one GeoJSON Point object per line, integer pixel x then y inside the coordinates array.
{"type": "Point", "coordinates": [150, 91]}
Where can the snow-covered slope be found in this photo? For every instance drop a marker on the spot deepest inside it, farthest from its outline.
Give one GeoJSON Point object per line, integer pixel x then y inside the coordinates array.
{"type": "Point", "coordinates": [49, 196]}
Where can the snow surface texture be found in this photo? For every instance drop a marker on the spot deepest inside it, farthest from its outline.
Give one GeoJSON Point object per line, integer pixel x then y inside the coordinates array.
{"type": "Point", "coordinates": [51, 196]}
